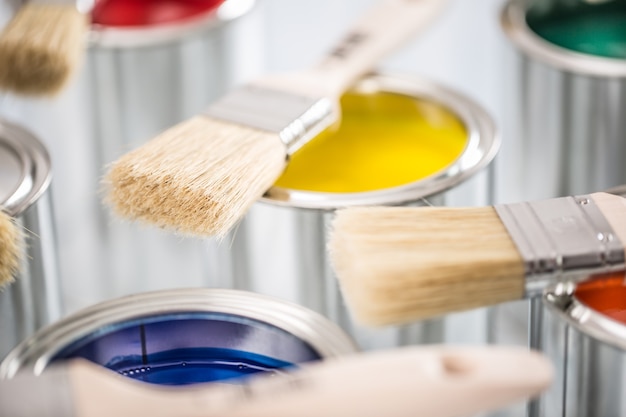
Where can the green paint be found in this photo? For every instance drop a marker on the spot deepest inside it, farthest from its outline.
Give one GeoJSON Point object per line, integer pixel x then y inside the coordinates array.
{"type": "Point", "coordinates": [596, 29]}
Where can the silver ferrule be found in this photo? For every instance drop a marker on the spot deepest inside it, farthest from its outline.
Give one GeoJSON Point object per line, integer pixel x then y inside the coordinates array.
{"type": "Point", "coordinates": [46, 395]}
{"type": "Point", "coordinates": [561, 239]}
{"type": "Point", "coordinates": [296, 119]}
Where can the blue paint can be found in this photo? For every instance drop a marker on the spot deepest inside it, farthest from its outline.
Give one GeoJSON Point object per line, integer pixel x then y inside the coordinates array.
{"type": "Point", "coordinates": [181, 337]}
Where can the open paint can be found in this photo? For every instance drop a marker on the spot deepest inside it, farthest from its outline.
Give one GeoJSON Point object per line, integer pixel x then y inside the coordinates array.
{"type": "Point", "coordinates": [33, 299]}
{"type": "Point", "coordinates": [564, 124]}
{"type": "Point", "coordinates": [401, 141]}
{"type": "Point", "coordinates": [186, 336]}
{"type": "Point", "coordinates": [582, 328]}
{"type": "Point", "coordinates": [584, 332]}
{"type": "Point", "coordinates": [149, 65]}
{"type": "Point", "coordinates": [566, 97]}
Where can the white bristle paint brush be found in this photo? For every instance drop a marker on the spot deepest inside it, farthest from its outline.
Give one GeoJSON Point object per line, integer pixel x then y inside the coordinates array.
{"type": "Point", "coordinates": [433, 381]}
{"type": "Point", "coordinates": [202, 175]}
{"type": "Point", "coordinates": [400, 264]}
{"type": "Point", "coordinates": [10, 249]}
{"type": "Point", "coordinates": [42, 45]}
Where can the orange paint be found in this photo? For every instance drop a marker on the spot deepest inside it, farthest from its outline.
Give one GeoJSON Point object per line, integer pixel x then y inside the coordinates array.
{"type": "Point", "coordinates": [606, 295]}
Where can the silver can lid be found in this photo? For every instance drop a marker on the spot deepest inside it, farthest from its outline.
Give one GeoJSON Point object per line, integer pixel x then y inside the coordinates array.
{"type": "Point", "coordinates": [25, 169]}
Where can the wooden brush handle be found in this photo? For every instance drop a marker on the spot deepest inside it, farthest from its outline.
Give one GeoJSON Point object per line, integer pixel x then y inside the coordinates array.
{"type": "Point", "coordinates": [381, 30]}
{"type": "Point", "coordinates": [613, 207]}
{"type": "Point", "coordinates": [430, 381]}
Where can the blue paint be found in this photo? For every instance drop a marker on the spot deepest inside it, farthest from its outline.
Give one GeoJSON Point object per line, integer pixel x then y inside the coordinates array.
{"type": "Point", "coordinates": [189, 348]}
{"type": "Point", "coordinates": [194, 365]}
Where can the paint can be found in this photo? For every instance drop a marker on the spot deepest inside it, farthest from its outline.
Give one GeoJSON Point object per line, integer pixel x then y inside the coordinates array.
{"type": "Point", "coordinates": [292, 219]}
{"type": "Point", "coordinates": [585, 336]}
{"type": "Point", "coordinates": [139, 78]}
{"type": "Point", "coordinates": [33, 299]}
{"type": "Point", "coordinates": [565, 96]}
{"type": "Point", "coordinates": [185, 336]}
{"type": "Point", "coordinates": [574, 326]}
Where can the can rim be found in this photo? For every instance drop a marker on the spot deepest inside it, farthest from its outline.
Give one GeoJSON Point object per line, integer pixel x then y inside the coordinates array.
{"type": "Point", "coordinates": [561, 300]}
{"type": "Point", "coordinates": [482, 146]}
{"type": "Point", "coordinates": [36, 352]}
{"type": "Point", "coordinates": [132, 37]}
{"type": "Point", "coordinates": [513, 23]}
{"type": "Point", "coordinates": [36, 172]}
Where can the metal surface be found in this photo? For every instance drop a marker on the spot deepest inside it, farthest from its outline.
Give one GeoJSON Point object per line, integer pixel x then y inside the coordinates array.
{"type": "Point", "coordinates": [297, 223]}
{"type": "Point", "coordinates": [294, 118]}
{"type": "Point", "coordinates": [136, 83]}
{"type": "Point", "coordinates": [566, 237]}
{"type": "Point", "coordinates": [587, 349]}
{"type": "Point", "coordinates": [321, 335]}
{"type": "Point", "coordinates": [33, 300]}
{"type": "Point", "coordinates": [564, 121]}
{"type": "Point", "coordinates": [25, 171]}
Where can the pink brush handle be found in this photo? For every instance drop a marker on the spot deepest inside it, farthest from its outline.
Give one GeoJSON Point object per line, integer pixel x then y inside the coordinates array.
{"type": "Point", "coordinates": [428, 381]}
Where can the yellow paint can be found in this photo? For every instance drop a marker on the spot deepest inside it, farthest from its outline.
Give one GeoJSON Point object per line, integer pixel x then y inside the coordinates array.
{"type": "Point", "coordinates": [400, 141]}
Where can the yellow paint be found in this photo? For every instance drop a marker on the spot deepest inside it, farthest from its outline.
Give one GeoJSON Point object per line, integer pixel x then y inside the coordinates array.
{"type": "Point", "coordinates": [384, 140]}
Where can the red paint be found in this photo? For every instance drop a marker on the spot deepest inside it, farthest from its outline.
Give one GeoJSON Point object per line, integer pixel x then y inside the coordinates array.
{"type": "Point", "coordinates": [606, 295]}
{"type": "Point", "coordinates": [149, 12]}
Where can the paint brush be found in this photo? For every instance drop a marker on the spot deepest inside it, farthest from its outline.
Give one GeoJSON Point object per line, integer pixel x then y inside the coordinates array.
{"type": "Point", "coordinates": [399, 264]}
{"type": "Point", "coordinates": [10, 249]}
{"type": "Point", "coordinates": [41, 47]}
{"type": "Point", "coordinates": [434, 381]}
{"type": "Point", "coordinates": [201, 176]}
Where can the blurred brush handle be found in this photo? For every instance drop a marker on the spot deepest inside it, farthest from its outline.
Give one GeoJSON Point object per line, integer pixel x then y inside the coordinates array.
{"type": "Point", "coordinates": [83, 6]}
{"type": "Point", "coordinates": [380, 31]}
{"type": "Point", "coordinates": [433, 381]}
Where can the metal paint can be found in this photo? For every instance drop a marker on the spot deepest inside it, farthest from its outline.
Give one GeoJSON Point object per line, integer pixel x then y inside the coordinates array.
{"type": "Point", "coordinates": [587, 345]}
{"type": "Point", "coordinates": [179, 337]}
{"type": "Point", "coordinates": [564, 105]}
{"type": "Point", "coordinates": [294, 223]}
{"type": "Point", "coordinates": [33, 300]}
{"type": "Point", "coordinates": [136, 82]}
{"type": "Point", "coordinates": [566, 99]}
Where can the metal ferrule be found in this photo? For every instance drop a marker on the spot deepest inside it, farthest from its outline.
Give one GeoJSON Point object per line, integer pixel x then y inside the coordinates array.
{"type": "Point", "coordinates": [562, 239]}
{"type": "Point", "coordinates": [296, 119]}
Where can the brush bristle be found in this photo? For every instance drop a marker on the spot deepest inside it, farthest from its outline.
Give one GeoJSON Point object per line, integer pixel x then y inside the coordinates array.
{"type": "Point", "coordinates": [10, 249]}
{"type": "Point", "coordinates": [399, 264]}
{"type": "Point", "coordinates": [197, 178]}
{"type": "Point", "coordinates": [41, 47]}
